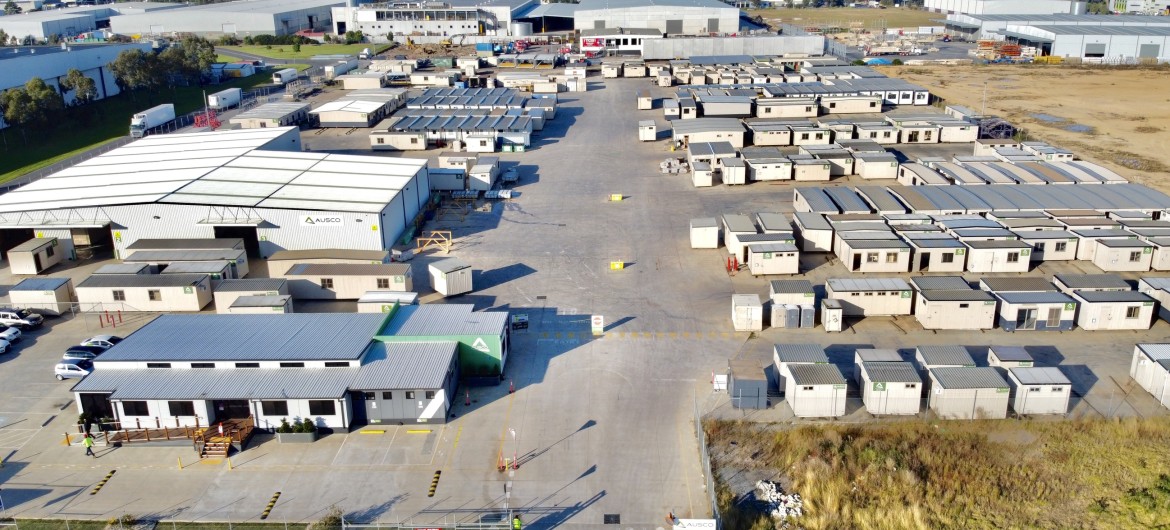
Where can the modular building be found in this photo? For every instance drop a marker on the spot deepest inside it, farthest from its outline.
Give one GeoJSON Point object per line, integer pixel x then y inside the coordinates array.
{"type": "Point", "coordinates": [1008, 357]}
{"type": "Point", "coordinates": [936, 254]}
{"type": "Point", "coordinates": [955, 309]}
{"type": "Point", "coordinates": [875, 255]}
{"type": "Point", "coordinates": [47, 296]}
{"type": "Point", "coordinates": [226, 293]}
{"type": "Point", "coordinates": [871, 297]}
{"type": "Point", "coordinates": [813, 231]}
{"type": "Point", "coordinates": [1039, 390]}
{"type": "Point", "coordinates": [1150, 367]}
{"type": "Point", "coordinates": [1158, 289]}
{"type": "Point", "coordinates": [968, 393]}
{"type": "Point", "coordinates": [450, 277]}
{"type": "Point", "coordinates": [873, 166]}
{"type": "Point", "coordinates": [1039, 311]}
{"type": "Point", "coordinates": [787, 108]}
{"type": "Point", "coordinates": [931, 357]}
{"type": "Point", "coordinates": [252, 305]}
{"type": "Point", "coordinates": [998, 256]}
{"type": "Point", "coordinates": [1067, 283]}
{"type": "Point", "coordinates": [34, 256]}
{"type": "Point", "coordinates": [484, 337]}
{"type": "Point", "coordinates": [815, 391]}
{"type": "Point", "coordinates": [747, 313]}
{"type": "Point", "coordinates": [280, 262]}
{"type": "Point", "coordinates": [796, 292]}
{"type": "Point", "coordinates": [1016, 284]}
{"type": "Point", "coordinates": [685, 132]}
{"type": "Point", "coordinates": [1123, 255]}
{"type": "Point", "coordinates": [851, 104]}
{"type": "Point", "coordinates": [144, 292]}
{"type": "Point", "coordinates": [1114, 310]}
{"type": "Point", "coordinates": [735, 225]}
{"type": "Point", "coordinates": [890, 388]}
{"type": "Point", "coordinates": [269, 115]}
{"type": "Point", "coordinates": [773, 258]}
{"type": "Point", "coordinates": [747, 385]}
{"type": "Point", "coordinates": [235, 261]}
{"type": "Point", "coordinates": [769, 132]}
{"type": "Point", "coordinates": [1050, 245]}
{"type": "Point", "coordinates": [346, 281]}
{"type": "Point", "coordinates": [704, 233]}
{"type": "Point", "coordinates": [784, 356]}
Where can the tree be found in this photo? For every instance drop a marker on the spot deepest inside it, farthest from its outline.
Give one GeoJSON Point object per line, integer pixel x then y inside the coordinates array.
{"type": "Point", "coordinates": [47, 101]}
{"type": "Point", "coordinates": [83, 88]}
{"type": "Point", "coordinates": [3, 37]}
{"type": "Point", "coordinates": [353, 37]}
{"type": "Point", "coordinates": [191, 58]}
{"type": "Point", "coordinates": [11, 8]}
{"type": "Point", "coordinates": [136, 69]}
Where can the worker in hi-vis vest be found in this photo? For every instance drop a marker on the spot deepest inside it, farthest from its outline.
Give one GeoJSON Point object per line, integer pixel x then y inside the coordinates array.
{"type": "Point", "coordinates": [516, 523]}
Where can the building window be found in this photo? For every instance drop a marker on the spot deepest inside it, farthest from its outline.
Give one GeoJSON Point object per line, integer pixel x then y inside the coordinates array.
{"type": "Point", "coordinates": [806, 388]}
{"type": "Point", "coordinates": [154, 295]}
{"type": "Point", "coordinates": [383, 283]}
{"type": "Point", "coordinates": [430, 394]}
{"type": "Point", "coordinates": [336, 364]}
{"type": "Point", "coordinates": [1132, 312]}
{"type": "Point", "coordinates": [409, 394]}
{"type": "Point", "coordinates": [804, 136]}
{"type": "Point", "coordinates": [911, 385]}
{"type": "Point", "coordinates": [326, 283]}
{"type": "Point", "coordinates": [872, 104]}
{"type": "Point", "coordinates": [181, 408]}
{"type": "Point", "coordinates": [202, 365]}
{"type": "Point", "coordinates": [947, 257]}
{"type": "Point", "coordinates": [1053, 317]}
{"type": "Point", "coordinates": [135, 408]}
{"type": "Point", "coordinates": [414, 140]}
{"type": "Point", "coordinates": [1060, 246]}
{"type": "Point", "coordinates": [381, 140]}
{"type": "Point", "coordinates": [369, 396]}
{"type": "Point", "coordinates": [1013, 257]}
{"type": "Point", "coordinates": [119, 296]}
{"type": "Point", "coordinates": [1058, 389]}
{"type": "Point", "coordinates": [1135, 257]}
{"type": "Point", "coordinates": [49, 252]}
{"type": "Point", "coordinates": [833, 105]}
{"type": "Point", "coordinates": [322, 407]}
{"type": "Point", "coordinates": [964, 306]}
{"type": "Point", "coordinates": [891, 257]}
{"type": "Point", "coordinates": [388, 396]}
{"type": "Point", "coordinates": [247, 365]}
{"type": "Point", "coordinates": [871, 257]}
{"type": "Point", "coordinates": [1034, 389]}
{"type": "Point", "coordinates": [158, 365]}
{"type": "Point", "coordinates": [292, 365]}
{"type": "Point", "coordinates": [820, 136]}
{"type": "Point", "coordinates": [274, 408]}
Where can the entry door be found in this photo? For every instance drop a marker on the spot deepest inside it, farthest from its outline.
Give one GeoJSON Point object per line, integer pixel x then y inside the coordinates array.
{"type": "Point", "coordinates": [924, 262]}
{"type": "Point", "coordinates": [373, 412]}
{"type": "Point", "coordinates": [37, 262]}
{"type": "Point", "coordinates": [1026, 319]}
{"type": "Point", "coordinates": [856, 261]}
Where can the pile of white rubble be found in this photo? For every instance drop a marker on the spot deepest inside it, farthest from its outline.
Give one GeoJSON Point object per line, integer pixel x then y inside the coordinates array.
{"type": "Point", "coordinates": [778, 504]}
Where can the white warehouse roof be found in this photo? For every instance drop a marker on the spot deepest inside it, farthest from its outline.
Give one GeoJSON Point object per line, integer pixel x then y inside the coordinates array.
{"type": "Point", "coordinates": [223, 168]}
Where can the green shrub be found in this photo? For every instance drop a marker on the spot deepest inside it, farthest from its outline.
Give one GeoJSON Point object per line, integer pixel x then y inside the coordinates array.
{"type": "Point", "coordinates": [284, 427]}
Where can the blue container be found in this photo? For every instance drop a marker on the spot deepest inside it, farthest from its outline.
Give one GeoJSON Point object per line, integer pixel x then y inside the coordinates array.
{"type": "Point", "coordinates": [483, 47]}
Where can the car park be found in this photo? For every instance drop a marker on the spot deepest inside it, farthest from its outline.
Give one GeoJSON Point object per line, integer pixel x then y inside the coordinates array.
{"type": "Point", "coordinates": [72, 369]}
{"type": "Point", "coordinates": [104, 342]}
{"type": "Point", "coordinates": [10, 334]}
{"type": "Point", "coordinates": [20, 318]}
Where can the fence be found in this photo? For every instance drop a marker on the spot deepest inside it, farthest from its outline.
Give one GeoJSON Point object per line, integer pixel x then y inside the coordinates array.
{"type": "Point", "coordinates": [705, 461]}
{"type": "Point", "coordinates": [398, 525]}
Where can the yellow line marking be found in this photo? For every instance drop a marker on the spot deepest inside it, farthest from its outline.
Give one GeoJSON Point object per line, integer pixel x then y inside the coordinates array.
{"type": "Point", "coordinates": [726, 335]}
{"type": "Point", "coordinates": [673, 335]}
{"type": "Point", "coordinates": [647, 334]}
{"type": "Point", "coordinates": [661, 334]}
{"type": "Point", "coordinates": [418, 431]}
{"type": "Point", "coordinates": [372, 431]}
{"type": "Point", "coordinates": [686, 335]}
{"type": "Point", "coordinates": [571, 335]}
{"type": "Point", "coordinates": [505, 425]}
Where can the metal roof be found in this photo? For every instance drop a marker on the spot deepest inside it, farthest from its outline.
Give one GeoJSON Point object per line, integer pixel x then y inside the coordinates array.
{"type": "Point", "coordinates": [1035, 298]}
{"type": "Point", "coordinates": [773, 221]}
{"type": "Point", "coordinates": [34, 244]}
{"type": "Point", "coordinates": [847, 199]}
{"type": "Point", "coordinates": [209, 383]}
{"type": "Point", "coordinates": [1089, 31]}
{"type": "Point", "coordinates": [1017, 284]}
{"type": "Point", "coordinates": [251, 285]}
{"type": "Point", "coordinates": [261, 301]}
{"type": "Point", "coordinates": [800, 353]}
{"type": "Point", "coordinates": [1158, 283]}
{"type": "Point", "coordinates": [738, 223]}
{"type": "Point", "coordinates": [867, 284]}
{"type": "Point", "coordinates": [704, 222]}
{"type": "Point", "coordinates": [702, 125]}
{"type": "Point", "coordinates": [153, 256]}
{"type": "Point", "coordinates": [772, 247]}
{"type": "Point", "coordinates": [444, 320]}
{"type": "Point", "coordinates": [271, 111]}
{"type": "Point", "coordinates": [932, 240]}
{"type": "Point", "coordinates": [202, 267]}
{"type": "Point", "coordinates": [957, 295]}
{"type": "Point", "coordinates": [1008, 244]}
{"type": "Point", "coordinates": [1046, 375]}
{"type": "Point", "coordinates": [1096, 297]}
{"type": "Point", "coordinates": [816, 374]}
{"type": "Point", "coordinates": [878, 355]}
{"type": "Point", "coordinates": [1092, 281]}
{"type": "Point", "coordinates": [349, 269]}
{"type": "Point", "coordinates": [944, 355]}
{"type": "Point", "coordinates": [890, 372]}
{"type": "Point", "coordinates": [789, 286]}
{"type": "Point", "coordinates": [449, 265]}
{"type": "Point", "coordinates": [141, 280]}
{"type": "Point", "coordinates": [278, 337]}
{"type": "Point", "coordinates": [818, 201]}
{"type": "Point", "coordinates": [186, 244]}
{"type": "Point", "coordinates": [968, 377]}
{"type": "Point", "coordinates": [774, 237]}
{"type": "Point", "coordinates": [880, 198]}
{"type": "Point", "coordinates": [1155, 351]}
{"type": "Point", "coordinates": [121, 268]}
{"type": "Point", "coordinates": [330, 253]}
{"type": "Point", "coordinates": [870, 244]}
{"type": "Point", "coordinates": [1010, 353]}
{"type": "Point", "coordinates": [40, 284]}
{"type": "Point", "coordinates": [1124, 243]}
{"type": "Point", "coordinates": [1044, 234]}
{"type": "Point", "coordinates": [812, 221]}
{"type": "Point", "coordinates": [390, 366]}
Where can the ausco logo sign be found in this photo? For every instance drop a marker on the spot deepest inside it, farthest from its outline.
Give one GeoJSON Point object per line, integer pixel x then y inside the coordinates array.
{"type": "Point", "coordinates": [322, 220]}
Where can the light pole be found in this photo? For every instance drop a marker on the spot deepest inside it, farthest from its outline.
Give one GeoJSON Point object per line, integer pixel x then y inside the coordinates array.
{"type": "Point", "coordinates": [515, 448]}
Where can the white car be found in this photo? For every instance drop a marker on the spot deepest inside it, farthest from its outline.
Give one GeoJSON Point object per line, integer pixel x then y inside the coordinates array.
{"type": "Point", "coordinates": [72, 369]}
{"type": "Point", "coordinates": [20, 318]}
{"type": "Point", "coordinates": [102, 341]}
{"type": "Point", "coordinates": [10, 334]}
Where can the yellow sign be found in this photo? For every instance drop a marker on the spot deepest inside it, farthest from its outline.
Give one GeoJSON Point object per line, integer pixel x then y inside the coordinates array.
{"type": "Point", "coordinates": [616, 197]}
{"type": "Point", "coordinates": [617, 265]}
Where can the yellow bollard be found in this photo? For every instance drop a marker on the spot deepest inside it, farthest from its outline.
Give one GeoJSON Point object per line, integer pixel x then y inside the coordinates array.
{"type": "Point", "coordinates": [67, 441]}
{"type": "Point", "coordinates": [180, 459]}
{"type": "Point", "coordinates": [230, 464]}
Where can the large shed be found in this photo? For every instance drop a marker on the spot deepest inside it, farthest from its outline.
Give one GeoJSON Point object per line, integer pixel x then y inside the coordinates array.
{"type": "Point", "coordinates": [968, 393]}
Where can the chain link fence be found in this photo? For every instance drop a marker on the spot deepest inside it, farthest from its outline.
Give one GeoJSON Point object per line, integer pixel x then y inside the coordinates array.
{"type": "Point", "coordinates": [705, 461]}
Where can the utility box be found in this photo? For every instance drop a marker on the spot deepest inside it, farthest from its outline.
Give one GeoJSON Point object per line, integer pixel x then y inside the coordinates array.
{"type": "Point", "coordinates": [34, 256]}
{"type": "Point", "coordinates": [647, 131]}
{"type": "Point", "coordinates": [704, 233]}
{"type": "Point", "coordinates": [734, 171]}
{"type": "Point", "coordinates": [450, 276]}
{"type": "Point", "coordinates": [832, 315]}
{"type": "Point", "coordinates": [747, 313]}
{"type": "Point", "coordinates": [808, 316]}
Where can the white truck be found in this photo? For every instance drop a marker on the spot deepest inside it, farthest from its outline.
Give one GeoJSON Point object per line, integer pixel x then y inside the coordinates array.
{"type": "Point", "coordinates": [366, 54]}
{"type": "Point", "coordinates": [150, 118]}
{"type": "Point", "coordinates": [225, 99]}
{"type": "Point", "coordinates": [340, 68]}
{"type": "Point", "coordinates": [281, 77]}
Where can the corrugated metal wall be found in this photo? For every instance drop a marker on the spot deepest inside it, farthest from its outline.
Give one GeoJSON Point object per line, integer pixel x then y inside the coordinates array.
{"type": "Point", "coordinates": [686, 47]}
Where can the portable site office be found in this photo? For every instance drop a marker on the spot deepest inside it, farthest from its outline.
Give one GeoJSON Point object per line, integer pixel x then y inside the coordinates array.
{"type": "Point", "coordinates": [890, 388]}
{"type": "Point", "coordinates": [344, 281]}
{"type": "Point", "coordinates": [1050, 245]}
{"type": "Point", "coordinates": [1150, 367]}
{"type": "Point", "coordinates": [1128, 255]}
{"type": "Point", "coordinates": [747, 385]}
{"type": "Point", "coordinates": [871, 297]}
{"type": "Point", "coordinates": [1008, 357]}
{"type": "Point", "coordinates": [47, 296]}
{"type": "Point", "coordinates": [784, 356]}
{"type": "Point", "coordinates": [815, 391]}
{"type": "Point", "coordinates": [1039, 390]}
{"type": "Point", "coordinates": [813, 231]}
{"type": "Point", "coordinates": [968, 393]}
{"type": "Point", "coordinates": [34, 256]}
{"type": "Point", "coordinates": [943, 253]}
{"type": "Point", "coordinates": [1110, 310]}
{"type": "Point", "coordinates": [1158, 289]}
{"type": "Point", "coordinates": [955, 309]}
{"type": "Point", "coordinates": [1039, 311]}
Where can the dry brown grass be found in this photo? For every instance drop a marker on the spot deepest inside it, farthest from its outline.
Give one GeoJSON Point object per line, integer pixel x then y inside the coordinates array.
{"type": "Point", "coordinates": [980, 474]}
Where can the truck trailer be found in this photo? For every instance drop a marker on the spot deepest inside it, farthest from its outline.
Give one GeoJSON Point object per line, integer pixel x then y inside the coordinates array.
{"type": "Point", "coordinates": [281, 77]}
{"type": "Point", "coordinates": [225, 99]}
{"type": "Point", "coordinates": [340, 68]}
{"type": "Point", "coordinates": [144, 121]}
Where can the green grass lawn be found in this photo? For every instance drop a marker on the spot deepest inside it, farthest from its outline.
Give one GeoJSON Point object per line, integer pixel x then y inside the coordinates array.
{"type": "Point", "coordinates": [110, 121]}
{"type": "Point", "coordinates": [285, 51]}
{"type": "Point", "coordinates": [59, 524]}
{"type": "Point", "coordinates": [844, 16]}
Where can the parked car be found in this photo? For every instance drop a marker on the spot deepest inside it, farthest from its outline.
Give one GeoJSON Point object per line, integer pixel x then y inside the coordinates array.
{"type": "Point", "coordinates": [72, 369]}
{"type": "Point", "coordinates": [104, 342]}
{"type": "Point", "coordinates": [10, 334]}
{"type": "Point", "coordinates": [83, 352]}
{"type": "Point", "coordinates": [20, 318]}
{"type": "Point", "coordinates": [4, 345]}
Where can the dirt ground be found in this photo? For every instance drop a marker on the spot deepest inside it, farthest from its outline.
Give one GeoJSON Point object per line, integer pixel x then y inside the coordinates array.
{"type": "Point", "coordinates": [1113, 116]}
{"type": "Point", "coordinates": [850, 17]}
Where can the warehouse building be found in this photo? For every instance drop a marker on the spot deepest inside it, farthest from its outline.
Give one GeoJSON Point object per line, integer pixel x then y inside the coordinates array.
{"type": "Point", "coordinates": [254, 17]}
{"type": "Point", "coordinates": [973, 26]}
{"type": "Point", "coordinates": [968, 393]}
{"type": "Point", "coordinates": [1111, 310]}
{"type": "Point", "coordinates": [71, 21]}
{"type": "Point", "coordinates": [871, 297]}
{"type": "Point", "coordinates": [890, 388]}
{"type": "Point", "coordinates": [994, 7]}
{"type": "Point", "coordinates": [252, 184]}
{"type": "Point", "coordinates": [1150, 367]}
{"type": "Point", "coordinates": [453, 17]}
{"type": "Point", "coordinates": [1039, 390]}
{"type": "Point", "coordinates": [747, 385]}
{"type": "Point", "coordinates": [672, 17]}
{"type": "Point", "coordinates": [1104, 42]}
{"type": "Point", "coordinates": [815, 391]}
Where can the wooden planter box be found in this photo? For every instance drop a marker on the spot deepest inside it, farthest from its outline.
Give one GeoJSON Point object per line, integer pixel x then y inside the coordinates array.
{"type": "Point", "coordinates": [296, 437]}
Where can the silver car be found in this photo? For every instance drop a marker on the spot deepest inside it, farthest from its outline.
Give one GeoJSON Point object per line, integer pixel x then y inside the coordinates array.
{"type": "Point", "coordinates": [72, 369]}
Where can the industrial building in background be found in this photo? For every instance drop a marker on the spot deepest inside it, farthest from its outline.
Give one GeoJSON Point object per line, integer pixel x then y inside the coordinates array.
{"type": "Point", "coordinates": [252, 17]}
{"type": "Point", "coordinates": [74, 21]}
{"type": "Point", "coordinates": [672, 17]}
{"type": "Point", "coordinates": [997, 7]}
{"type": "Point", "coordinates": [449, 18]}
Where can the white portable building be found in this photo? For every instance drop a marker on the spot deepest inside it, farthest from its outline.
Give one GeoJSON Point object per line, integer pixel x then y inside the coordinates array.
{"type": "Point", "coordinates": [735, 225]}
{"type": "Point", "coordinates": [815, 391]}
{"type": "Point", "coordinates": [733, 171]}
{"type": "Point", "coordinates": [747, 313]}
{"type": "Point", "coordinates": [1123, 255]}
{"type": "Point", "coordinates": [1150, 367]}
{"type": "Point", "coordinates": [450, 277]}
{"type": "Point", "coordinates": [875, 255]}
{"type": "Point", "coordinates": [704, 233]}
{"type": "Point", "coordinates": [1009, 255]}
{"type": "Point", "coordinates": [787, 108]}
{"type": "Point", "coordinates": [702, 175]}
{"type": "Point", "coordinates": [773, 258]}
{"type": "Point", "coordinates": [253, 304]}
{"type": "Point", "coordinates": [1039, 390]}
{"type": "Point", "coordinates": [34, 256]}
{"type": "Point", "coordinates": [871, 296]}
{"type": "Point", "coordinates": [281, 261]}
{"type": "Point", "coordinates": [647, 131]}
{"type": "Point", "coordinates": [1067, 283]}
{"type": "Point", "coordinates": [930, 357]}
{"type": "Point", "coordinates": [784, 356]}
{"type": "Point", "coordinates": [1112, 310]}
{"type": "Point", "coordinates": [890, 388]}
{"type": "Point", "coordinates": [1161, 258]}
{"type": "Point", "coordinates": [936, 253]}
{"type": "Point", "coordinates": [813, 231]}
{"type": "Point", "coordinates": [1039, 311]}
{"type": "Point", "coordinates": [851, 104]}
{"type": "Point", "coordinates": [968, 393]}
{"type": "Point", "coordinates": [955, 309]}
{"type": "Point", "coordinates": [1050, 245]}
{"type": "Point", "coordinates": [873, 355]}
{"type": "Point", "coordinates": [811, 169]}
{"type": "Point", "coordinates": [1158, 289]}
{"type": "Point", "coordinates": [144, 292]}
{"type": "Point", "coordinates": [872, 166]}
{"type": "Point", "coordinates": [795, 292]}
{"type": "Point", "coordinates": [228, 290]}
{"type": "Point", "coordinates": [1008, 357]}
{"type": "Point", "coordinates": [345, 281]}
{"type": "Point", "coordinates": [47, 296]}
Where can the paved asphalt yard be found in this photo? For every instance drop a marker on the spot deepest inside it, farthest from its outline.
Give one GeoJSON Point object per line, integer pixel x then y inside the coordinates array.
{"type": "Point", "coordinates": [602, 425]}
